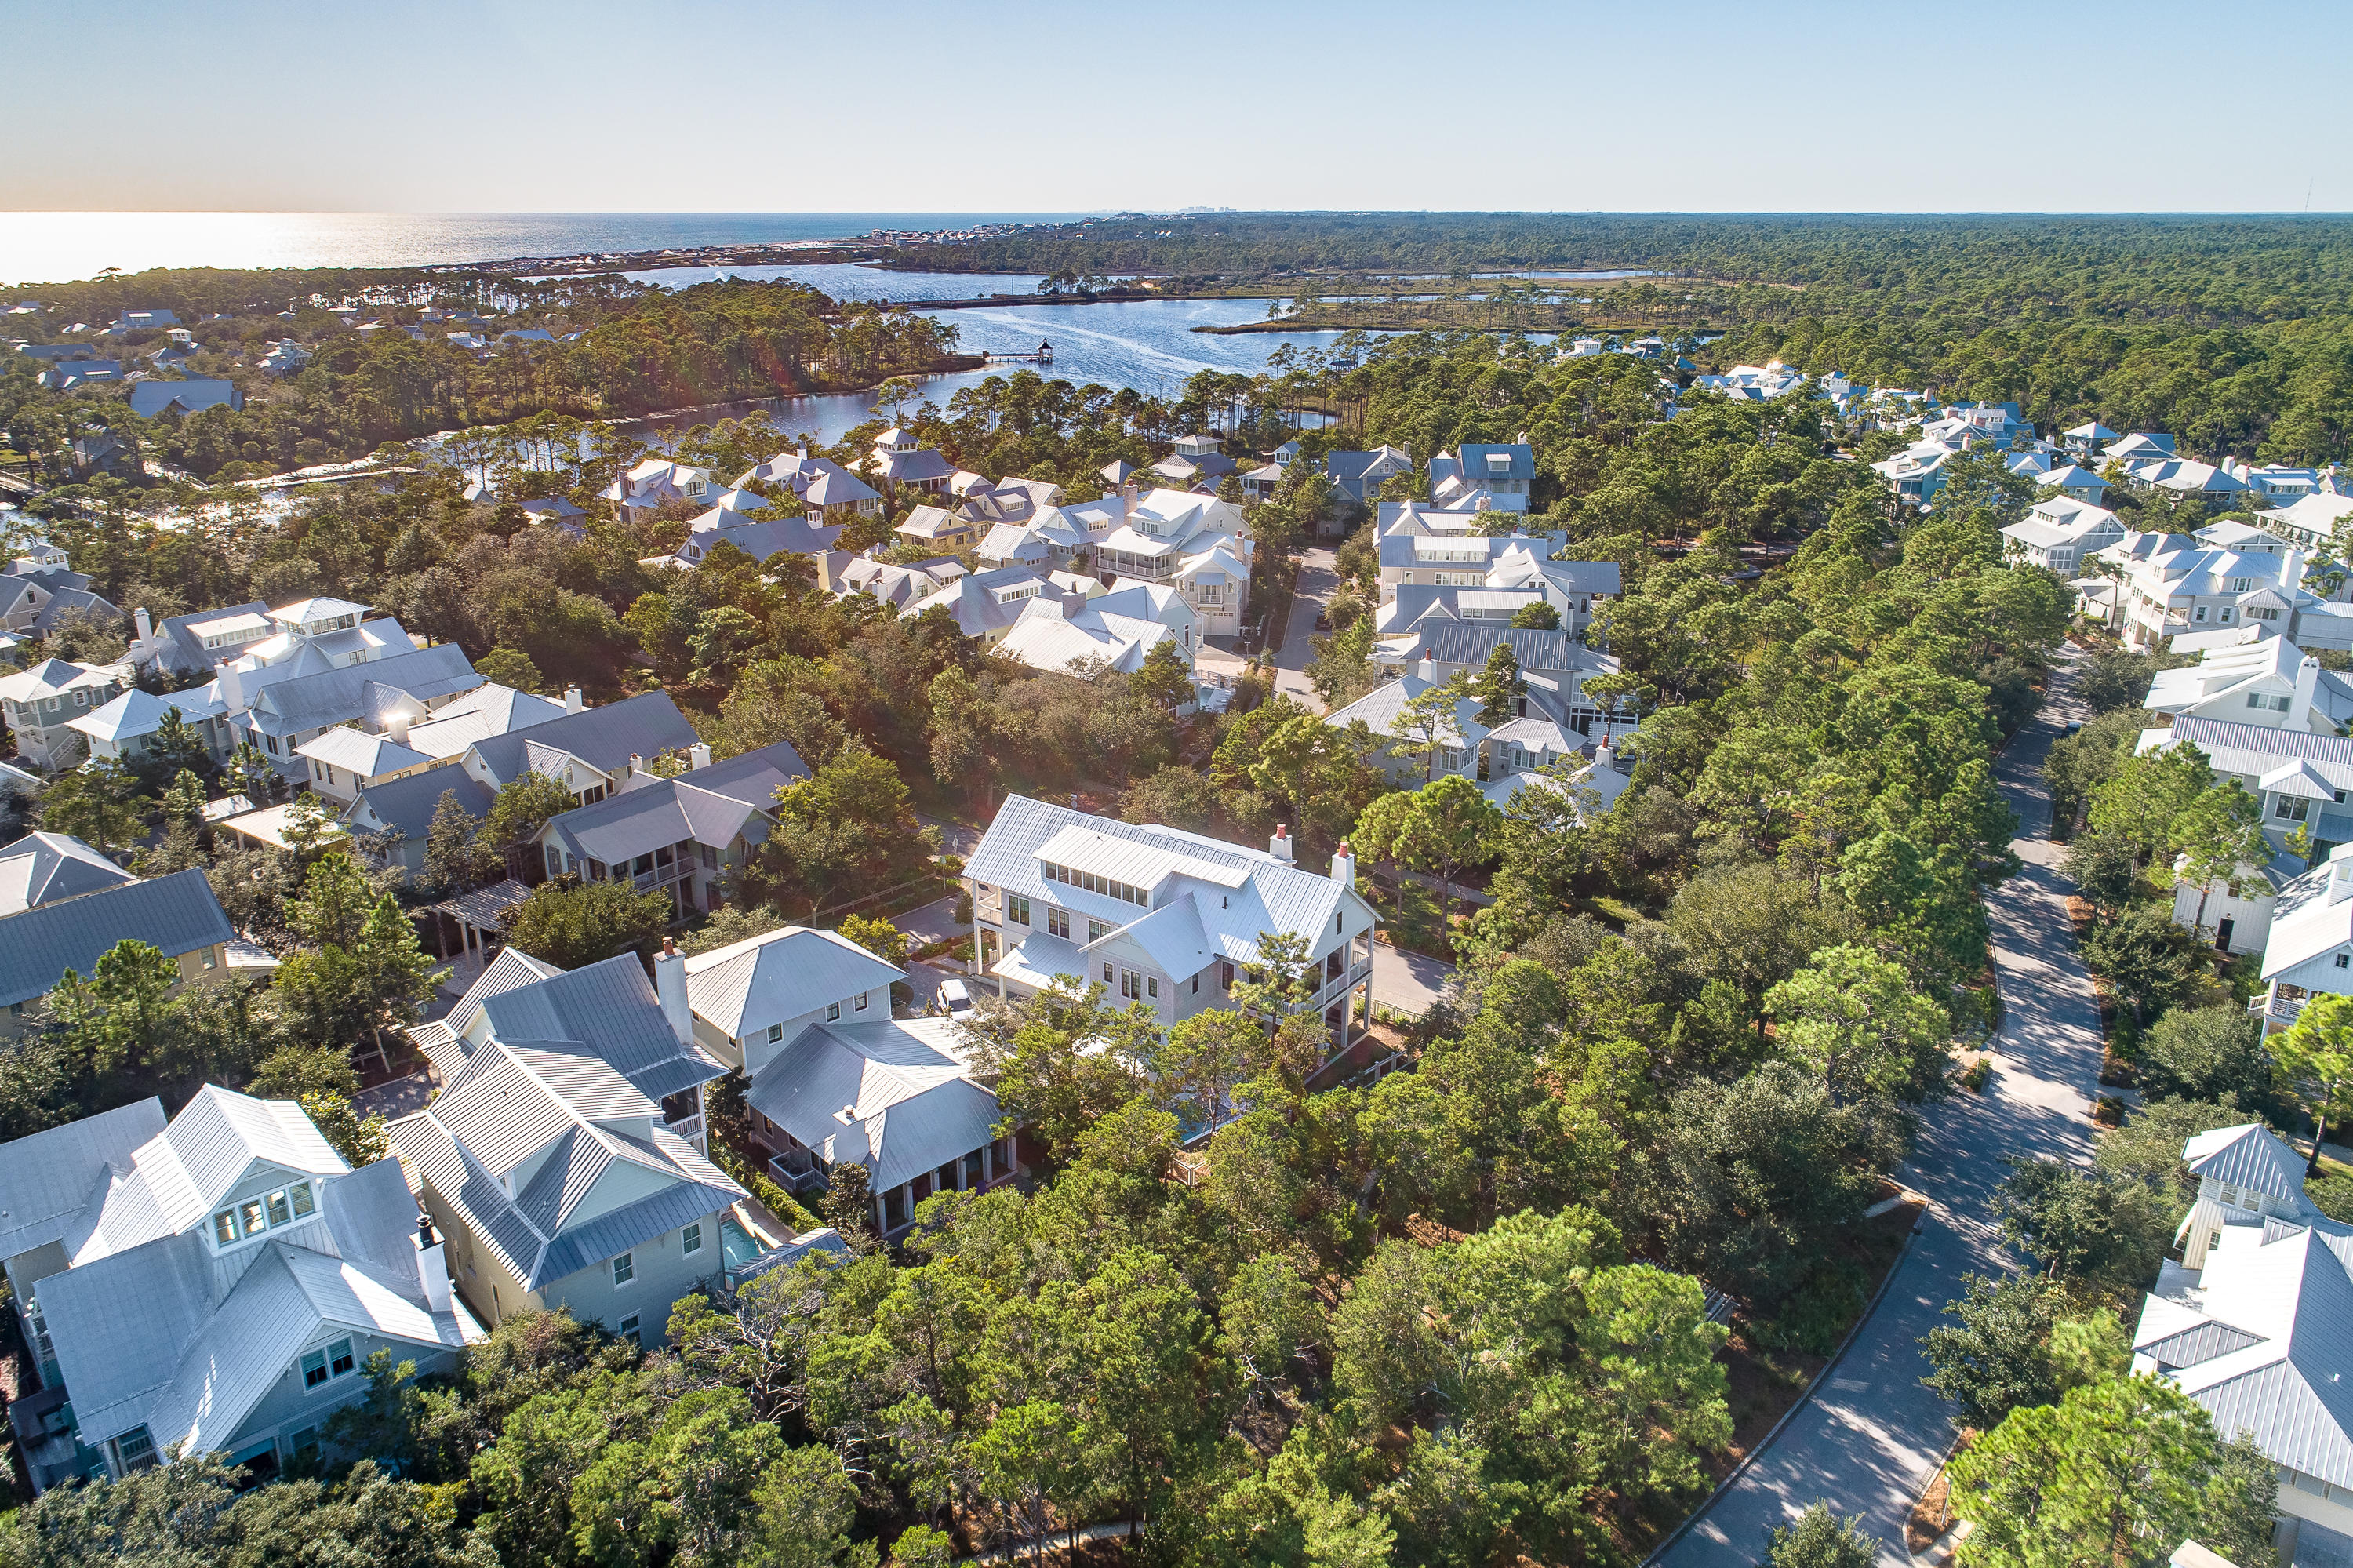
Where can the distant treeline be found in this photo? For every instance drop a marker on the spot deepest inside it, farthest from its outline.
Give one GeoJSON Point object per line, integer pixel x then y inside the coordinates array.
{"type": "Point", "coordinates": [2235, 334]}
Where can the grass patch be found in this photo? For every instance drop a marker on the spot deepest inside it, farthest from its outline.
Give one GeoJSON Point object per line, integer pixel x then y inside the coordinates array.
{"type": "Point", "coordinates": [2332, 1190]}
{"type": "Point", "coordinates": [1412, 918]}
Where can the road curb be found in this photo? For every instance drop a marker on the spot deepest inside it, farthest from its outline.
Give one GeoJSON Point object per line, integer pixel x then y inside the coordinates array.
{"type": "Point", "coordinates": [1766, 1442]}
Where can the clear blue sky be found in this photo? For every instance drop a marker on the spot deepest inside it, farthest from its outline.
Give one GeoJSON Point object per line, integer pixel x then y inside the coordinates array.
{"type": "Point", "coordinates": [719, 105]}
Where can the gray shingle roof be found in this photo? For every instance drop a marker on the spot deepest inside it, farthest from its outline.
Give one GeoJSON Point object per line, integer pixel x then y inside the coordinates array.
{"type": "Point", "coordinates": [177, 914]}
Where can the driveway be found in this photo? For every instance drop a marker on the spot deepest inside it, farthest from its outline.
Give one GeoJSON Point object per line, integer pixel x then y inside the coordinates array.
{"type": "Point", "coordinates": [933, 922]}
{"type": "Point", "coordinates": [1319, 579]}
{"type": "Point", "coordinates": [925, 977]}
{"type": "Point", "coordinates": [1869, 1437]}
{"type": "Point", "coordinates": [1408, 982]}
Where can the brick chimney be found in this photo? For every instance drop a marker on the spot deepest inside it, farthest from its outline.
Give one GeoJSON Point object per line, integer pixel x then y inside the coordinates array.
{"type": "Point", "coordinates": [1280, 845]}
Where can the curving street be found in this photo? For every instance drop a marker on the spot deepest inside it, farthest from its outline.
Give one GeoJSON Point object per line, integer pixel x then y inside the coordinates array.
{"type": "Point", "coordinates": [1870, 1436]}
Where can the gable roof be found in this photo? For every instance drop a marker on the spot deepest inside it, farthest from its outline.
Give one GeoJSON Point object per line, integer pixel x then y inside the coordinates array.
{"type": "Point", "coordinates": [48, 1176]}
{"type": "Point", "coordinates": [408, 801]}
{"type": "Point", "coordinates": [604, 737]}
{"type": "Point", "coordinates": [177, 914]}
{"type": "Point", "coordinates": [369, 690]}
{"type": "Point", "coordinates": [2250, 1156]}
{"type": "Point", "coordinates": [151, 398]}
{"type": "Point", "coordinates": [606, 1008]}
{"type": "Point", "coordinates": [779, 975]}
{"type": "Point", "coordinates": [708, 805]}
{"type": "Point", "coordinates": [893, 1095]}
{"type": "Point", "coordinates": [41, 868]}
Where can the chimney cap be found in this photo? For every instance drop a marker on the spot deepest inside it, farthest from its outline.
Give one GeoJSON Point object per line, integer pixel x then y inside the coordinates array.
{"type": "Point", "coordinates": [669, 948]}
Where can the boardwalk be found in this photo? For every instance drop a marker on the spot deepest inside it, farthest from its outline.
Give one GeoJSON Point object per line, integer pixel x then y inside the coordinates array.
{"type": "Point", "coordinates": [1871, 1437]}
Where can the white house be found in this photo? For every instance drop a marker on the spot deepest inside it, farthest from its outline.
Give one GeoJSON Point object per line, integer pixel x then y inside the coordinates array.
{"type": "Point", "coordinates": [2310, 947]}
{"type": "Point", "coordinates": [638, 493]}
{"type": "Point", "coordinates": [1159, 917]}
{"type": "Point", "coordinates": [2251, 1325]}
{"type": "Point", "coordinates": [2269, 681]}
{"type": "Point", "coordinates": [1115, 629]}
{"type": "Point", "coordinates": [2060, 533]}
{"type": "Point", "coordinates": [212, 1284]}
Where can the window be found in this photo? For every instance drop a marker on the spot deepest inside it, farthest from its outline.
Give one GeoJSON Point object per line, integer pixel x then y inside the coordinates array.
{"type": "Point", "coordinates": [709, 857]}
{"type": "Point", "coordinates": [280, 1212]}
{"type": "Point", "coordinates": [137, 1449]}
{"type": "Point", "coordinates": [775, 1033]}
{"type": "Point", "coordinates": [329, 1361]}
{"type": "Point", "coordinates": [339, 1358]}
{"type": "Point", "coordinates": [1096, 930]}
{"type": "Point", "coordinates": [1152, 987]}
{"type": "Point", "coordinates": [1017, 909]}
{"type": "Point", "coordinates": [2345, 961]}
{"type": "Point", "coordinates": [625, 1268]}
{"type": "Point", "coordinates": [862, 997]}
{"type": "Point", "coordinates": [1130, 985]}
{"type": "Point", "coordinates": [554, 860]}
{"type": "Point", "coordinates": [1197, 985]}
{"type": "Point", "coordinates": [1225, 976]}
{"type": "Point", "coordinates": [257, 1215]}
{"type": "Point", "coordinates": [629, 1330]}
{"type": "Point", "coordinates": [689, 1240]}
{"type": "Point", "coordinates": [833, 1013]}
{"type": "Point", "coordinates": [1107, 974]}
{"type": "Point", "coordinates": [1058, 923]}
{"type": "Point", "coordinates": [2288, 810]}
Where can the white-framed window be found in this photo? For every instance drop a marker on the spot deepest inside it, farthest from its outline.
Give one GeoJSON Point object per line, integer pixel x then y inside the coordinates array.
{"type": "Point", "coordinates": [1108, 974]}
{"type": "Point", "coordinates": [689, 1240]}
{"type": "Point", "coordinates": [2345, 961]}
{"type": "Point", "coordinates": [1152, 987]}
{"type": "Point", "coordinates": [775, 1033]}
{"type": "Point", "coordinates": [1130, 985]}
{"type": "Point", "coordinates": [833, 1013]}
{"type": "Point", "coordinates": [863, 997]}
{"type": "Point", "coordinates": [1017, 909]}
{"type": "Point", "coordinates": [1096, 930]}
{"type": "Point", "coordinates": [241, 1221]}
{"type": "Point", "coordinates": [629, 1330]}
{"type": "Point", "coordinates": [1058, 923]}
{"type": "Point", "coordinates": [2290, 808]}
{"type": "Point", "coordinates": [328, 1362]}
{"type": "Point", "coordinates": [625, 1268]}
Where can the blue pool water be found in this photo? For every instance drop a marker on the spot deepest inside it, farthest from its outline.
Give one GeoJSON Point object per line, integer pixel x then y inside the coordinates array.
{"type": "Point", "coordinates": [738, 1244]}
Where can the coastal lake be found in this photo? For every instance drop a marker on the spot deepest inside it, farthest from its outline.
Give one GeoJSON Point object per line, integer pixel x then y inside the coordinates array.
{"type": "Point", "coordinates": [1147, 345]}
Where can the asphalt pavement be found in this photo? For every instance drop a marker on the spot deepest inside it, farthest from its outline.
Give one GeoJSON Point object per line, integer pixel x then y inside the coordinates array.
{"type": "Point", "coordinates": [1869, 1437]}
{"type": "Point", "coordinates": [1319, 579]}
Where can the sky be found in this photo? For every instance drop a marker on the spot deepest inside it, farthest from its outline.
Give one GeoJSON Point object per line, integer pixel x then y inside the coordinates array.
{"type": "Point", "coordinates": [728, 106]}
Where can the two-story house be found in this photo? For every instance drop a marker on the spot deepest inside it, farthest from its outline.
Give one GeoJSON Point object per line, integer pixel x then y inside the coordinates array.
{"type": "Point", "coordinates": [126, 728]}
{"type": "Point", "coordinates": [1160, 916]}
{"type": "Point", "coordinates": [178, 914]}
{"type": "Point", "coordinates": [2248, 1324]}
{"type": "Point", "coordinates": [1505, 472]}
{"type": "Point", "coordinates": [346, 759]}
{"type": "Point", "coordinates": [1359, 476]}
{"type": "Point", "coordinates": [396, 811]}
{"type": "Point", "coordinates": [1196, 544]}
{"type": "Point", "coordinates": [640, 492]}
{"type": "Point", "coordinates": [2269, 682]}
{"type": "Point", "coordinates": [41, 703]}
{"type": "Point", "coordinates": [591, 750]}
{"type": "Point", "coordinates": [563, 1160]}
{"type": "Point", "coordinates": [831, 1077]}
{"type": "Point", "coordinates": [832, 493]}
{"type": "Point", "coordinates": [900, 464]}
{"type": "Point", "coordinates": [215, 1284]}
{"type": "Point", "coordinates": [2310, 950]}
{"type": "Point", "coordinates": [1116, 630]}
{"type": "Point", "coordinates": [687, 837]}
{"type": "Point", "coordinates": [2299, 780]}
{"type": "Point", "coordinates": [2059, 534]}
{"type": "Point", "coordinates": [38, 587]}
{"type": "Point", "coordinates": [286, 712]}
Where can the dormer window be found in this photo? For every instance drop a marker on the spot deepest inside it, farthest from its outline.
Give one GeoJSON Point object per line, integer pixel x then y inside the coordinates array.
{"type": "Point", "coordinates": [327, 1362]}
{"type": "Point", "coordinates": [257, 1215]}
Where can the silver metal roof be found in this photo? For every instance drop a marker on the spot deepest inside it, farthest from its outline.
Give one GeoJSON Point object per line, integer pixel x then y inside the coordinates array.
{"type": "Point", "coordinates": [177, 914]}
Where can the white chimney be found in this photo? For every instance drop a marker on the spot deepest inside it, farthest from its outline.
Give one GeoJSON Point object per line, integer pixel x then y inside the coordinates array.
{"type": "Point", "coordinates": [669, 985]}
{"type": "Point", "coordinates": [2291, 571]}
{"type": "Point", "coordinates": [2340, 873]}
{"type": "Point", "coordinates": [1280, 845]}
{"type": "Point", "coordinates": [572, 703]}
{"type": "Point", "coordinates": [2308, 684]}
{"type": "Point", "coordinates": [1428, 667]}
{"type": "Point", "coordinates": [636, 762]}
{"type": "Point", "coordinates": [1605, 755]}
{"type": "Point", "coordinates": [139, 619]}
{"type": "Point", "coordinates": [432, 1267]}
{"type": "Point", "coordinates": [399, 729]}
{"type": "Point", "coordinates": [698, 755]}
{"type": "Point", "coordinates": [1344, 866]}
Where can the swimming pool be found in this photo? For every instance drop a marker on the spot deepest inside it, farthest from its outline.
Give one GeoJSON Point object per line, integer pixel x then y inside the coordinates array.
{"type": "Point", "coordinates": [739, 1245]}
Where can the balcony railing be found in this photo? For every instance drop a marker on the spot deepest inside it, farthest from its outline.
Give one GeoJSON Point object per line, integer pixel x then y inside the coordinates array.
{"type": "Point", "coordinates": [1332, 989]}
{"type": "Point", "coordinates": [796, 1171]}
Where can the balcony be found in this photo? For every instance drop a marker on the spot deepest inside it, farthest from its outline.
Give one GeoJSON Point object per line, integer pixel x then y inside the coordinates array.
{"type": "Point", "coordinates": [1338, 986]}
{"type": "Point", "coordinates": [796, 1171]}
{"type": "Point", "coordinates": [688, 1129]}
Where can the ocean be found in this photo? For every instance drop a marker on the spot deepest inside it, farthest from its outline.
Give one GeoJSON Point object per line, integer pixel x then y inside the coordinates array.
{"type": "Point", "coordinates": [62, 247]}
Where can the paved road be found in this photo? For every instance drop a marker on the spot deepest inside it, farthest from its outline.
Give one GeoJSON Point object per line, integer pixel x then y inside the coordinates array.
{"type": "Point", "coordinates": [1870, 1439]}
{"type": "Point", "coordinates": [1319, 579]}
{"type": "Point", "coordinates": [1405, 981]}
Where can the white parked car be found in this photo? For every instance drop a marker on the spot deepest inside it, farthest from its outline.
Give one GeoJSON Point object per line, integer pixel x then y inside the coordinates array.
{"type": "Point", "coordinates": [956, 998]}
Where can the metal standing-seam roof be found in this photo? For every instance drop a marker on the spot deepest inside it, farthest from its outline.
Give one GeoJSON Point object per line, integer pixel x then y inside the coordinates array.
{"type": "Point", "coordinates": [604, 737]}
{"type": "Point", "coordinates": [48, 1178]}
{"type": "Point", "coordinates": [891, 1095]}
{"type": "Point", "coordinates": [177, 914]}
{"type": "Point", "coordinates": [193, 1162]}
{"type": "Point", "coordinates": [342, 695]}
{"type": "Point", "coordinates": [785, 974]}
{"type": "Point", "coordinates": [407, 803]}
{"type": "Point", "coordinates": [2249, 1155]}
{"type": "Point", "coordinates": [608, 1007]}
{"type": "Point", "coordinates": [42, 868]}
